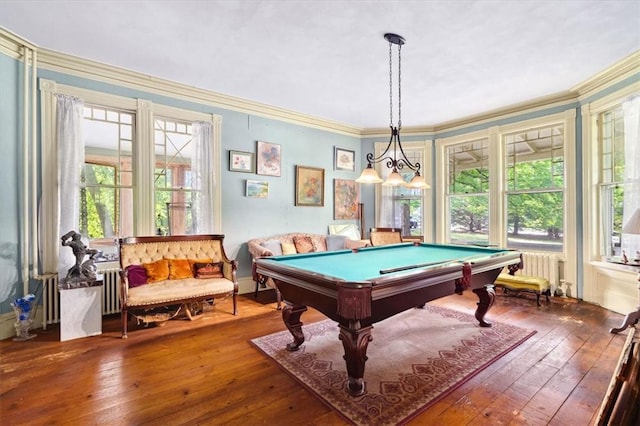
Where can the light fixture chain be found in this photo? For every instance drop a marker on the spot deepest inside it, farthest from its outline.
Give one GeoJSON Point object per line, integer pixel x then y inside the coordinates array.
{"type": "Point", "coordinates": [399, 88]}
{"type": "Point", "coordinates": [394, 147]}
{"type": "Point", "coordinates": [390, 87]}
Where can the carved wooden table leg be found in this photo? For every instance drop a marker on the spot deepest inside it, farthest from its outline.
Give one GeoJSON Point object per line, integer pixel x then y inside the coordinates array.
{"type": "Point", "coordinates": [487, 296]}
{"type": "Point", "coordinates": [291, 316]}
{"type": "Point", "coordinates": [355, 340]}
{"type": "Point", "coordinates": [631, 318]}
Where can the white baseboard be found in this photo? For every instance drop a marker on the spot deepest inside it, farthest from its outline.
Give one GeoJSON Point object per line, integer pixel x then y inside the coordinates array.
{"type": "Point", "coordinates": [8, 319]}
{"type": "Point", "coordinates": [246, 285]}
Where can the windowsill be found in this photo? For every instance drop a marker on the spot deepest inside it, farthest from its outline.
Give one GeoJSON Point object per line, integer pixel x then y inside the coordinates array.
{"type": "Point", "coordinates": [631, 267]}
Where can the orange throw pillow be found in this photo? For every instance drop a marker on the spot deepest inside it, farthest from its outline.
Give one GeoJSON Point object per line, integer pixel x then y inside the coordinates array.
{"type": "Point", "coordinates": [157, 271]}
{"type": "Point", "coordinates": [303, 244]}
{"type": "Point", "coordinates": [179, 269]}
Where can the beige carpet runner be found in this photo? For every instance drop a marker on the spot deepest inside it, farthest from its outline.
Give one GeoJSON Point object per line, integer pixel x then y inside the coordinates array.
{"type": "Point", "coordinates": [415, 358]}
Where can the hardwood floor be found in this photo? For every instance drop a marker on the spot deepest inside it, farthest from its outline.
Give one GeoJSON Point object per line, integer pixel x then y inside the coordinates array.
{"type": "Point", "coordinates": [205, 372]}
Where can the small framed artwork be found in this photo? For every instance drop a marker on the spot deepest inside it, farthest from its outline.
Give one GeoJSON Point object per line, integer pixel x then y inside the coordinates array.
{"type": "Point", "coordinates": [346, 196]}
{"type": "Point", "coordinates": [257, 188]}
{"type": "Point", "coordinates": [309, 186]}
{"type": "Point", "coordinates": [268, 159]}
{"type": "Point", "coordinates": [241, 161]}
{"type": "Point", "coordinates": [344, 159]}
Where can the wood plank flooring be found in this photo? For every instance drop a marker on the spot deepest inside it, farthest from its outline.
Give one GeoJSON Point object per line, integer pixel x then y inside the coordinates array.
{"type": "Point", "coordinates": [205, 372]}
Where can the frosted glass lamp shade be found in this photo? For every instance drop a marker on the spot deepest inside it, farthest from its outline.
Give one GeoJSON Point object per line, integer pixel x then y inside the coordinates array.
{"type": "Point", "coordinates": [369, 175]}
{"type": "Point", "coordinates": [633, 224]}
{"type": "Point", "coordinates": [394, 179]}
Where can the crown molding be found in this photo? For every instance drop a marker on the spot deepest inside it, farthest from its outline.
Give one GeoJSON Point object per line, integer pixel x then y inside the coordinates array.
{"type": "Point", "coordinates": [12, 45]}
{"type": "Point", "coordinates": [405, 131]}
{"type": "Point", "coordinates": [535, 105]}
{"type": "Point", "coordinates": [68, 64]}
{"type": "Point", "coordinates": [617, 72]}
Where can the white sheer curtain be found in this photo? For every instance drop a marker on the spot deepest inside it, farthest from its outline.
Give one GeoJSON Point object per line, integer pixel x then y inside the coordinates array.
{"type": "Point", "coordinates": [69, 118]}
{"type": "Point", "coordinates": [203, 177]}
{"type": "Point", "coordinates": [385, 217]}
{"type": "Point", "coordinates": [631, 110]}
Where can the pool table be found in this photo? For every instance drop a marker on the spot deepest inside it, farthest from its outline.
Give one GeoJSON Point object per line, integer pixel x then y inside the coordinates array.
{"type": "Point", "coordinates": [360, 287]}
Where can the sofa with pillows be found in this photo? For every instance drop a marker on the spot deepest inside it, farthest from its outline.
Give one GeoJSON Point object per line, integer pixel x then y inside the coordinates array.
{"type": "Point", "coordinates": [294, 243]}
{"type": "Point", "coordinates": [184, 270]}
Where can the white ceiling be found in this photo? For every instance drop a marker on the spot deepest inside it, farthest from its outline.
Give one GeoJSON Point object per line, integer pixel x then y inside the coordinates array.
{"type": "Point", "coordinates": [329, 58]}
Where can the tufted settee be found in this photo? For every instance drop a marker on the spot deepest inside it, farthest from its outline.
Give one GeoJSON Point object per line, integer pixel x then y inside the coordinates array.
{"type": "Point", "coordinates": [174, 270]}
{"type": "Point", "coordinates": [294, 243]}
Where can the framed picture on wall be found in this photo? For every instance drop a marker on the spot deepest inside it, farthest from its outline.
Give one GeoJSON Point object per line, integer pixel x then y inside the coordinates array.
{"type": "Point", "coordinates": [344, 159]}
{"type": "Point", "coordinates": [241, 161]}
{"type": "Point", "coordinates": [257, 189]}
{"type": "Point", "coordinates": [346, 196]}
{"type": "Point", "coordinates": [309, 186]}
{"type": "Point", "coordinates": [268, 159]}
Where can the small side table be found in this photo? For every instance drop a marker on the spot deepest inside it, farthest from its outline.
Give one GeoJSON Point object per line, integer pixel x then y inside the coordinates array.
{"type": "Point", "coordinates": [633, 317]}
{"type": "Point", "coordinates": [80, 308]}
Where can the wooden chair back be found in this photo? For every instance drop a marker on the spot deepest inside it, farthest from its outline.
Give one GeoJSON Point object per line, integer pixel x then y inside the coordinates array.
{"type": "Point", "coordinates": [384, 236]}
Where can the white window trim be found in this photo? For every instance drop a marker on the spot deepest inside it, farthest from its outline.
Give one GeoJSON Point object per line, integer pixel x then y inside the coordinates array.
{"type": "Point", "coordinates": [594, 268]}
{"type": "Point", "coordinates": [497, 204]}
{"type": "Point", "coordinates": [144, 223]}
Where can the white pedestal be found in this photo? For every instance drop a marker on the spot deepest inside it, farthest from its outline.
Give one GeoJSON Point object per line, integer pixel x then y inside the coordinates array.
{"type": "Point", "coordinates": [80, 310]}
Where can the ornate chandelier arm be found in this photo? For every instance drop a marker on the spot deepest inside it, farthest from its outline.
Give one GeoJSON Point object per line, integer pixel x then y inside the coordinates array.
{"type": "Point", "coordinates": [391, 158]}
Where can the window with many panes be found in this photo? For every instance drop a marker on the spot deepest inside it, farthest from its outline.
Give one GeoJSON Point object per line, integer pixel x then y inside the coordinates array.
{"type": "Point", "coordinates": [619, 177]}
{"type": "Point", "coordinates": [535, 187]}
{"type": "Point", "coordinates": [467, 192]}
{"type": "Point", "coordinates": [402, 207]}
{"type": "Point", "coordinates": [173, 179]}
{"type": "Point", "coordinates": [106, 204]}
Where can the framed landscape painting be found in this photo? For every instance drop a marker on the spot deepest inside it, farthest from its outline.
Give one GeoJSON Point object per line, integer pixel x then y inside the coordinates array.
{"type": "Point", "coordinates": [309, 186]}
{"type": "Point", "coordinates": [344, 159]}
{"type": "Point", "coordinates": [346, 196]}
{"type": "Point", "coordinates": [241, 161]}
{"type": "Point", "coordinates": [268, 159]}
{"type": "Point", "coordinates": [257, 188]}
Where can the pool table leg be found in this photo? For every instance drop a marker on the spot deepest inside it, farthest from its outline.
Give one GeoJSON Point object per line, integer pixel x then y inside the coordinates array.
{"type": "Point", "coordinates": [291, 316]}
{"type": "Point", "coordinates": [487, 295]}
{"type": "Point", "coordinates": [355, 340]}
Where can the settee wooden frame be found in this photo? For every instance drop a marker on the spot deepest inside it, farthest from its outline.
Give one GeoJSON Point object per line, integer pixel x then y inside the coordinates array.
{"type": "Point", "coordinates": [175, 247]}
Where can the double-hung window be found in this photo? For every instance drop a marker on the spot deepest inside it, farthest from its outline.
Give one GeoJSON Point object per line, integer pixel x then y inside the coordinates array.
{"type": "Point", "coordinates": [467, 192]}
{"type": "Point", "coordinates": [619, 176]}
{"type": "Point", "coordinates": [106, 192]}
{"type": "Point", "coordinates": [535, 188]}
{"type": "Point", "coordinates": [148, 169]}
{"type": "Point", "coordinates": [173, 177]}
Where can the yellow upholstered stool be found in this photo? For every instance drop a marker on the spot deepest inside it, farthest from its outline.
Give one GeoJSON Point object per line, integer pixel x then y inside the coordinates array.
{"type": "Point", "coordinates": [520, 283]}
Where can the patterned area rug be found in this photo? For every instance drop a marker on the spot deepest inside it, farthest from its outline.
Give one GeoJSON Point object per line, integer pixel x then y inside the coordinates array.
{"type": "Point", "coordinates": [415, 358]}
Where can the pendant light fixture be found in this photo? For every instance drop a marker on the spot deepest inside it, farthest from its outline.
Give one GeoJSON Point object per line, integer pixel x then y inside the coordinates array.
{"type": "Point", "coordinates": [394, 148]}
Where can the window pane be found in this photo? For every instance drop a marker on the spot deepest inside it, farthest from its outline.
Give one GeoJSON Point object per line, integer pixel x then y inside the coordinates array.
{"type": "Point", "coordinates": [468, 167]}
{"type": "Point", "coordinates": [106, 205]}
{"type": "Point", "coordinates": [535, 221]}
{"type": "Point", "coordinates": [173, 155]}
{"type": "Point", "coordinates": [173, 182]}
{"type": "Point", "coordinates": [468, 192]}
{"type": "Point", "coordinates": [535, 188]}
{"type": "Point", "coordinates": [615, 183]}
{"type": "Point", "coordinates": [469, 219]}
{"type": "Point", "coordinates": [173, 212]}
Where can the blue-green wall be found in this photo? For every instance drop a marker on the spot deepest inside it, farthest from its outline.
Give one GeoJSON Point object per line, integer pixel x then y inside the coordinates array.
{"type": "Point", "coordinates": [242, 218]}
{"type": "Point", "coordinates": [10, 175]}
